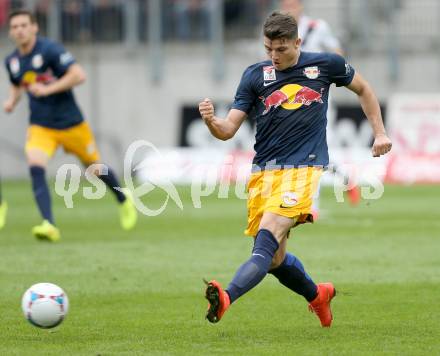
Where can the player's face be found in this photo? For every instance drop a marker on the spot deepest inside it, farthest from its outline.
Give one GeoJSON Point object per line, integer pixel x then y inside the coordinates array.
{"type": "Point", "coordinates": [22, 30]}
{"type": "Point", "coordinates": [283, 52]}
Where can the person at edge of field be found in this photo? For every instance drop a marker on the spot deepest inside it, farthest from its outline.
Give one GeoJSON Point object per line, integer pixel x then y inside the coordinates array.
{"type": "Point", "coordinates": [47, 73]}
{"type": "Point", "coordinates": [289, 93]}
{"type": "Point", "coordinates": [3, 209]}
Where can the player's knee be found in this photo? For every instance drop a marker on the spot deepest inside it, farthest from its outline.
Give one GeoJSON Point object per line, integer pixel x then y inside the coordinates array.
{"type": "Point", "coordinates": [278, 225]}
{"type": "Point", "coordinates": [96, 169]}
{"type": "Point", "coordinates": [275, 264]}
{"type": "Point", "coordinates": [37, 158]}
{"type": "Point", "coordinates": [277, 259]}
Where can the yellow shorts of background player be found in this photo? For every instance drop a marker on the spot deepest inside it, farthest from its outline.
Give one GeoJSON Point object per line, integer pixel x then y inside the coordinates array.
{"type": "Point", "coordinates": [287, 192]}
{"type": "Point", "coordinates": [78, 140]}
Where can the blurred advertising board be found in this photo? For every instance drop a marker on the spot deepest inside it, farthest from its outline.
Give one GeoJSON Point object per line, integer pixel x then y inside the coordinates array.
{"type": "Point", "coordinates": [414, 127]}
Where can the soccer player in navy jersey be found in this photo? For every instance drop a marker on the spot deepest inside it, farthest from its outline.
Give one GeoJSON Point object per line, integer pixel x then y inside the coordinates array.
{"type": "Point", "coordinates": [47, 73]}
{"type": "Point", "coordinates": [289, 93]}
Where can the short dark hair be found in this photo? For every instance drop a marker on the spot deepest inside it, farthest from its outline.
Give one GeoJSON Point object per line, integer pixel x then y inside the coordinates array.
{"type": "Point", "coordinates": [19, 12]}
{"type": "Point", "coordinates": [280, 25]}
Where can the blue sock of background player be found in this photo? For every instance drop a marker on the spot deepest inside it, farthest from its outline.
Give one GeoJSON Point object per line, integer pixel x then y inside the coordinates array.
{"type": "Point", "coordinates": [112, 182]}
{"type": "Point", "coordinates": [290, 273]}
{"type": "Point", "coordinates": [41, 192]}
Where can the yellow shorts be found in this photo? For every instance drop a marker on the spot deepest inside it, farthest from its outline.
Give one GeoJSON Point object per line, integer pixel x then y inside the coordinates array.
{"type": "Point", "coordinates": [78, 140]}
{"type": "Point", "coordinates": [287, 192]}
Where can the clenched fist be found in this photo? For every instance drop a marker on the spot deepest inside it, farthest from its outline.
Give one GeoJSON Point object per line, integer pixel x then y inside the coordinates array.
{"type": "Point", "coordinates": [206, 110]}
{"type": "Point", "coordinates": [382, 145]}
{"type": "Point", "coordinates": [8, 106]}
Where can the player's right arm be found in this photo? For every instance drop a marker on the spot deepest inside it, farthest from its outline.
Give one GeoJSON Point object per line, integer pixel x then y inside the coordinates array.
{"type": "Point", "coordinates": [14, 97]}
{"type": "Point", "coordinates": [223, 129]}
{"type": "Point", "coordinates": [73, 76]}
{"type": "Point", "coordinates": [245, 97]}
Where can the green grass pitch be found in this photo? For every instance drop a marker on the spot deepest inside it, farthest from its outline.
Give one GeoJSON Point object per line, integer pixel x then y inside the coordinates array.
{"type": "Point", "coordinates": [141, 292]}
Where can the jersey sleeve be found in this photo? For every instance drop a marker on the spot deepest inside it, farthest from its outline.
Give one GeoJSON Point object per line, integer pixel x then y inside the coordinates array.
{"type": "Point", "coordinates": [12, 80]}
{"type": "Point", "coordinates": [245, 96]}
{"type": "Point", "coordinates": [340, 72]}
{"type": "Point", "coordinates": [60, 59]}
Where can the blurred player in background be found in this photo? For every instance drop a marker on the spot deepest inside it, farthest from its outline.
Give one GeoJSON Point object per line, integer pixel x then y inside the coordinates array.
{"type": "Point", "coordinates": [289, 93]}
{"type": "Point", "coordinates": [3, 209]}
{"type": "Point", "coordinates": [47, 72]}
{"type": "Point", "coordinates": [317, 36]}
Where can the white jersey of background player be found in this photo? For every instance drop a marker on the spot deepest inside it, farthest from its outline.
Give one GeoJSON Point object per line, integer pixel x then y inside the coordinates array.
{"type": "Point", "coordinates": [316, 36]}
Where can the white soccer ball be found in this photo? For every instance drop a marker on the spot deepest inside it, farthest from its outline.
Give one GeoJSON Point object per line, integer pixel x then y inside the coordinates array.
{"type": "Point", "coordinates": [45, 305]}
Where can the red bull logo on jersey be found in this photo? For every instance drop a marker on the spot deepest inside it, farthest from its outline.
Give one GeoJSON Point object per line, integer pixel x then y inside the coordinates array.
{"type": "Point", "coordinates": [31, 77]}
{"type": "Point", "coordinates": [292, 97]}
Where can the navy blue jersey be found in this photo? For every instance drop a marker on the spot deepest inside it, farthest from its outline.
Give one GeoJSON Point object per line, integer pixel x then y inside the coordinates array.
{"type": "Point", "coordinates": [47, 62]}
{"type": "Point", "coordinates": [291, 107]}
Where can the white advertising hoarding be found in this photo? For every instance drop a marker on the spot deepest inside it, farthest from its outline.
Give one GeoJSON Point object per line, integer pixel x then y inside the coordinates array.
{"type": "Point", "coordinates": [414, 127]}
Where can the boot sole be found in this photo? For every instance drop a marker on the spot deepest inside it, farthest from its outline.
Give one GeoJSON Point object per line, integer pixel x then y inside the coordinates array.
{"type": "Point", "coordinates": [212, 295]}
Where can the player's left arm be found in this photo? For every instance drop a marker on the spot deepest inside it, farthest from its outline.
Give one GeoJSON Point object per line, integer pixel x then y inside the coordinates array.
{"type": "Point", "coordinates": [370, 105]}
{"type": "Point", "coordinates": [74, 76]}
